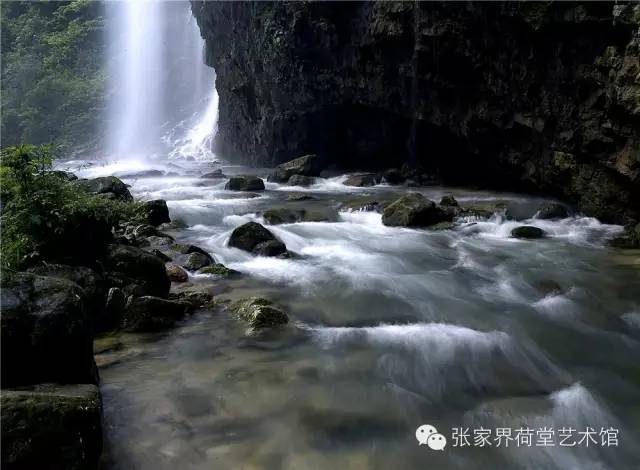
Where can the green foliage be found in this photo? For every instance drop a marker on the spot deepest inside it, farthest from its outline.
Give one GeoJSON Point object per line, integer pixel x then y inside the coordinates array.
{"type": "Point", "coordinates": [46, 217]}
{"type": "Point", "coordinates": [53, 77]}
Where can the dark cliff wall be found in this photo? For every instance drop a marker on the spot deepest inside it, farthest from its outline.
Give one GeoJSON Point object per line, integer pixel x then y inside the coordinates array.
{"type": "Point", "coordinates": [531, 96]}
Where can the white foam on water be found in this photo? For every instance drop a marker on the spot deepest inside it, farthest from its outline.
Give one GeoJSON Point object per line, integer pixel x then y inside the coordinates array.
{"type": "Point", "coordinates": [632, 319]}
{"type": "Point", "coordinates": [321, 185]}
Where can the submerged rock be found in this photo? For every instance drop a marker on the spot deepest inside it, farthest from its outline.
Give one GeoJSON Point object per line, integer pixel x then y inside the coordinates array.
{"type": "Point", "coordinates": [282, 215]}
{"type": "Point", "coordinates": [46, 335]}
{"type": "Point", "coordinates": [51, 426]}
{"type": "Point", "coordinates": [215, 174]}
{"type": "Point", "coordinates": [307, 165]}
{"type": "Point", "coordinates": [108, 185]}
{"type": "Point", "coordinates": [299, 197]}
{"type": "Point", "coordinates": [128, 265]}
{"type": "Point", "coordinates": [245, 183]}
{"type": "Point", "coordinates": [219, 270]}
{"type": "Point", "coordinates": [552, 210]}
{"type": "Point", "coordinates": [361, 180]}
{"type": "Point", "coordinates": [258, 312]}
{"type": "Point", "coordinates": [414, 210]}
{"type": "Point", "coordinates": [194, 298]}
{"type": "Point", "coordinates": [253, 236]}
{"type": "Point", "coordinates": [176, 273]}
{"type": "Point", "coordinates": [301, 180]}
{"type": "Point", "coordinates": [527, 232]}
{"type": "Point", "coordinates": [150, 313]}
{"type": "Point", "coordinates": [157, 212]}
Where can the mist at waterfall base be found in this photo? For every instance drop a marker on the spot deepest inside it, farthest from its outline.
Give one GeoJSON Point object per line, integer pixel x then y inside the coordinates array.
{"type": "Point", "coordinates": [162, 101]}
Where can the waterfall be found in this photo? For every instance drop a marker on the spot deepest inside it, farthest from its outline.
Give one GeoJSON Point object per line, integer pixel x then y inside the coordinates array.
{"type": "Point", "coordinates": [162, 99]}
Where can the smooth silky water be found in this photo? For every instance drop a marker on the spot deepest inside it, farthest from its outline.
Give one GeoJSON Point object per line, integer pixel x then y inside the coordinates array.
{"type": "Point", "coordinates": [390, 328]}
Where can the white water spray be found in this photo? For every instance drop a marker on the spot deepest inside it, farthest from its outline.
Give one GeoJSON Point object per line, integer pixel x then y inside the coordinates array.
{"type": "Point", "coordinates": [163, 101]}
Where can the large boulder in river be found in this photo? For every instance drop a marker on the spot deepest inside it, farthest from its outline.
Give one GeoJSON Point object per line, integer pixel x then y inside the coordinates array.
{"type": "Point", "coordinates": [150, 313]}
{"type": "Point", "coordinates": [176, 273]}
{"type": "Point", "coordinates": [258, 312]}
{"type": "Point", "coordinates": [367, 179]}
{"type": "Point", "coordinates": [46, 336]}
{"type": "Point", "coordinates": [307, 165]}
{"type": "Point", "coordinates": [157, 212]}
{"type": "Point", "coordinates": [244, 183]}
{"type": "Point", "coordinates": [552, 210]}
{"type": "Point", "coordinates": [255, 238]}
{"type": "Point", "coordinates": [51, 426]}
{"type": "Point", "coordinates": [136, 271]}
{"type": "Point", "coordinates": [282, 215]}
{"type": "Point", "coordinates": [414, 210]}
{"type": "Point", "coordinates": [528, 232]}
{"type": "Point", "coordinates": [92, 283]}
{"type": "Point", "coordinates": [110, 186]}
{"type": "Point", "coordinates": [301, 180]}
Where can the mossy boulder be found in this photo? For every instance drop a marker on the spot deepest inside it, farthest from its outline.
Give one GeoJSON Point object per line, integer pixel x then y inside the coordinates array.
{"type": "Point", "coordinates": [51, 426]}
{"type": "Point", "coordinates": [307, 165]}
{"type": "Point", "coordinates": [130, 266]}
{"type": "Point", "coordinates": [527, 232]}
{"type": "Point", "coordinates": [258, 312]}
{"type": "Point", "coordinates": [253, 237]}
{"type": "Point", "coordinates": [245, 183]}
{"type": "Point", "coordinates": [367, 179]}
{"type": "Point", "coordinates": [219, 270]}
{"type": "Point", "coordinates": [195, 299]}
{"type": "Point", "coordinates": [176, 273]}
{"type": "Point", "coordinates": [414, 210]}
{"type": "Point", "coordinates": [150, 313]}
{"type": "Point", "coordinates": [299, 197]}
{"type": "Point", "coordinates": [301, 180]}
{"type": "Point", "coordinates": [448, 200]}
{"type": "Point", "coordinates": [110, 186]}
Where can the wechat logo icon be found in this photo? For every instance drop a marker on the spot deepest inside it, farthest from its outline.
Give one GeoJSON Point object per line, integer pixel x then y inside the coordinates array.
{"type": "Point", "coordinates": [427, 434]}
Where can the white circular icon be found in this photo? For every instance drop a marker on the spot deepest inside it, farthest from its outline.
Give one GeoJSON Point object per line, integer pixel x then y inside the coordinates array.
{"type": "Point", "coordinates": [423, 432]}
{"type": "Point", "coordinates": [437, 442]}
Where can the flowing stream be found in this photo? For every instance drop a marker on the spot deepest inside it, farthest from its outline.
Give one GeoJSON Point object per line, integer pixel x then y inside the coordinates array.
{"type": "Point", "coordinates": [390, 328]}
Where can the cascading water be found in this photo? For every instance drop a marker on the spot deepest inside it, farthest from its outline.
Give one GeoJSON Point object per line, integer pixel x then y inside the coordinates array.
{"type": "Point", "coordinates": [163, 101]}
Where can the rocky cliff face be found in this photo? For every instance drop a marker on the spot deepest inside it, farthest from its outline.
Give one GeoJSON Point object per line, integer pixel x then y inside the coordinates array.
{"type": "Point", "coordinates": [531, 96]}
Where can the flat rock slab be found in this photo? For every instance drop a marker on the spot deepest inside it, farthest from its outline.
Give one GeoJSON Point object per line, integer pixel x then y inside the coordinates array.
{"type": "Point", "coordinates": [50, 426]}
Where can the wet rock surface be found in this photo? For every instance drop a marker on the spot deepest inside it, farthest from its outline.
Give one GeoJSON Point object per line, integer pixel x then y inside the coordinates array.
{"type": "Point", "coordinates": [254, 237]}
{"type": "Point", "coordinates": [544, 98]}
{"type": "Point", "coordinates": [244, 183]}
{"type": "Point", "coordinates": [258, 312]}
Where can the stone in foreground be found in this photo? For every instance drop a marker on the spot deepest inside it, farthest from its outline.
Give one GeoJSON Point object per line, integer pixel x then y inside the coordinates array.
{"type": "Point", "coordinates": [244, 183]}
{"type": "Point", "coordinates": [46, 335]}
{"type": "Point", "coordinates": [414, 210]}
{"type": "Point", "coordinates": [149, 313]}
{"type": "Point", "coordinates": [196, 261]}
{"type": "Point", "coordinates": [527, 232]}
{"type": "Point", "coordinates": [51, 426]}
{"type": "Point", "coordinates": [134, 269]}
{"type": "Point", "coordinates": [258, 312]}
{"type": "Point", "coordinates": [176, 273]}
{"type": "Point", "coordinates": [253, 237]}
